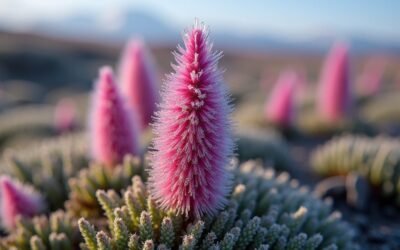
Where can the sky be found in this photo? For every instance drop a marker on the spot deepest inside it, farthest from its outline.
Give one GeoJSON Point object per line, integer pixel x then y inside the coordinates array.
{"type": "Point", "coordinates": [378, 19]}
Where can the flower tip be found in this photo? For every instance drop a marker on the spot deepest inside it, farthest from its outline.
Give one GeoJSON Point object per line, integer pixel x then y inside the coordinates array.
{"type": "Point", "coordinates": [18, 199]}
{"type": "Point", "coordinates": [135, 45]}
{"type": "Point", "coordinates": [290, 78]}
{"type": "Point", "coordinates": [138, 78]}
{"type": "Point", "coordinates": [339, 50]}
{"type": "Point", "coordinates": [5, 183]}
{"type": "Point", "coordinates": [340, 46]}
{"type": "Point", "coordinates": [106, 74]}
{"type": "Point", "coordinates": [135, 50]}
{"type": "Point", "coordinates": [65, 115]}
{"type": "Point", "coordinates": [279, 106]}
{"type": "Point", "coordinates": [335, 94]}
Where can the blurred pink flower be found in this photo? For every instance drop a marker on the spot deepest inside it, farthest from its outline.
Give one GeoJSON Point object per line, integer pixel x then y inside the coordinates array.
{"type": "Point", "coordinates": [138, 79]}
{"type": "Point", "coordinates": [18, 199]}
{"type": "Point", "coordinates": [193, 132]}
{"type": "Point", "coordinates": [397, 79]}
{"type": "Point", "coordinates": [279, 108]}
{"type": "Point", "coordinates": [266, 80]}
{"type": "Point", "coordinates": [302, 81]}
{"type": "Point", "coordinates": [335, 99]}
{"type": "Point", "coordinates": [112, 126]}
{"type": "Point", "coordinates": [65, 119]}
{"type": "Point", "coordinates": [370, 79]}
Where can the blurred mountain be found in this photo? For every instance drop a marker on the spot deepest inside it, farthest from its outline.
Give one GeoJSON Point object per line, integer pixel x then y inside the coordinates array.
{"type": "Point", "coordinates": [359, 43]}
{"type": "Point", "coordinates": [119, 26]}
{"type": "Point", "coordinates": [112, 29]}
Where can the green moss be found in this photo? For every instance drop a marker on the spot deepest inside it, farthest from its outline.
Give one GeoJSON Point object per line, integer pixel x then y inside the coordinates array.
{"type": "Point", "coordinates": [83, 187]}
{"type": "Point", "coordinates": [48, 165]}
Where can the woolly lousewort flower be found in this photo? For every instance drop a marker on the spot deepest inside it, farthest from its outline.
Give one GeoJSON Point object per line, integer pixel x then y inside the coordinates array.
{"type": "Point", "coordinates": [112, 125]}
{"type": "Point", "coordinates": [279, 106]}
{"type": "Point", "coordinates": [192, 140]}
{"type": "Point", "coordinates": [334, 101]}
{"type": "Point", "coordinates": [370, 80]}
{"type": "Point", "coordinates": [18, 199]}
{"type": "Point", "coordinates": [65, 116]}
{"type": "Point", "coordinates": [138, 79]}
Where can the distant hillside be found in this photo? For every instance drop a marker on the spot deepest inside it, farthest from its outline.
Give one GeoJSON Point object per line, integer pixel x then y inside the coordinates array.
{"type": "Point", "coordinates": [155, 30]}
{"type": "Point", "coordinates": [52, 61]}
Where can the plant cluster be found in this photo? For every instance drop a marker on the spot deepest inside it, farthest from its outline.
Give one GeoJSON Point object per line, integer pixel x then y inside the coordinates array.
{"type": "Point", "coordinates": [378, 159]}
{"type": "Point", "coordinates": [264, 211]}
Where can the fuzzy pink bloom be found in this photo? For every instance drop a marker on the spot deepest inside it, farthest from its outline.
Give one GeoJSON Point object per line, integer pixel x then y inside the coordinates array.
{"type": "Point", "coordinates": [65, 116]}
{"type": "Point", "coordinates": [112, 125]}
{"type": "Point", "coordinates": [279, 108]}
{"type": "Point", "coordinates": [18, 199]}
{"type": "Point", "coordinates": [370, 80]}
{"type": "Point", "coordinates": [192, 141]}
{"type": "Point", "coordinates": [138, 80]}
{"type": "Point", "coordinates": [334, 101]}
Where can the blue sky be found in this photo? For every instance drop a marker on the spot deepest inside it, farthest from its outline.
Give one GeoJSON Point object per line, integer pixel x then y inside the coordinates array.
{"type": "Point", "coordinates": [379, 19]}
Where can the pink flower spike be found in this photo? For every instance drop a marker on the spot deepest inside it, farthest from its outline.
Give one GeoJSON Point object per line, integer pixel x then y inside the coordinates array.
{"type": "Point", "coordinates": [138, 80]}
{"type": "Point", "coordinates": [65, 119]}
{"type": "Point", "coordinates": [18, 200]}
{"type": "Point", "coordinates": [112, 126]}
{"type": "Point", "coordinates": [192, 141]}
{"type": "Point", "coordinates": [370, 80]}
{"type": "Point", "coordinates": [335, 97]}
{"type": "Point", "coordinates": [279, 108]}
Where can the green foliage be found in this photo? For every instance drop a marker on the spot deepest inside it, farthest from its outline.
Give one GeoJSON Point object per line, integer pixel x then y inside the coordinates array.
{"type": "Point", "coordinates": [265, 211]}
{"type": "Point", "coordinates": [88, 234]}
{"type": "Point", "coordinates": [382, 109]}
{"type": "Point", "coordinates": [56, 232]}
{"type": "Point", "coordinates": [35, 121]}
{"type": "Point", "coordinates": [378, 159]}
{"type": "Point", "coordinates": [82, 200]}
{"type": "Point", "coordinates": [48, 165]}
{"type": "Point", "coordinates": [266, 145]}
{"type": "Point", "coordinates": [310, 123]}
